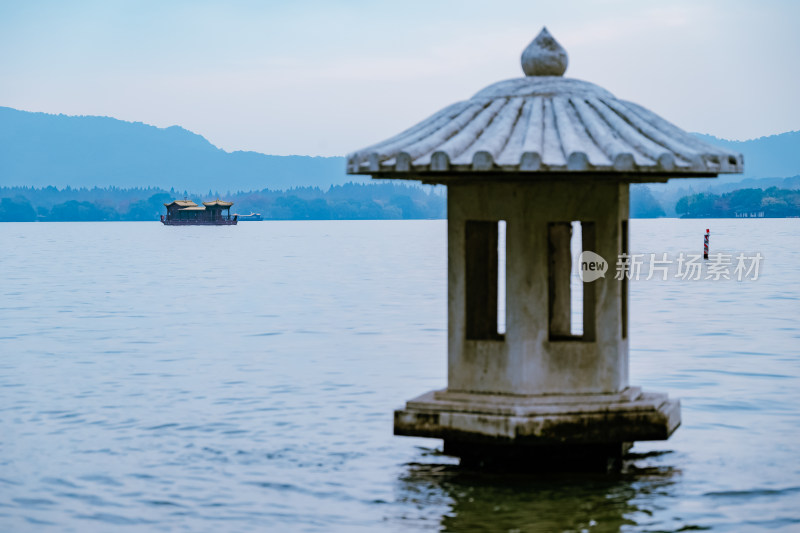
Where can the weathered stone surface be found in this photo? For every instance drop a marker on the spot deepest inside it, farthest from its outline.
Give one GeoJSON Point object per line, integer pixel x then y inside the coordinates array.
{"type": "Point", "coordinates": [544, 56]}
{"type": "Point", "coordinates": [527, 361]}
{"type": "Point", "coordinates": [629, 416]}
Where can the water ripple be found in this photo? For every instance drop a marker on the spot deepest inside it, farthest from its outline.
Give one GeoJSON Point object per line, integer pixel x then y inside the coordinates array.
{"type": "Point", "coordinates": [235, 389]}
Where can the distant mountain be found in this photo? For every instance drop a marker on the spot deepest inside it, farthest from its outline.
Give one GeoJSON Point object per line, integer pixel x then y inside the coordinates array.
{"type": "Point", "coordinates": [776, 156]}
{"type": "Point", "coordinates": [38, 149]}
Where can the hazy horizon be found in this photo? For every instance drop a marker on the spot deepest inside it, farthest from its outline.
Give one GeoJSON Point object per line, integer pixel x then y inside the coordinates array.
{"type": "Point", "coordinates": [234, 149]}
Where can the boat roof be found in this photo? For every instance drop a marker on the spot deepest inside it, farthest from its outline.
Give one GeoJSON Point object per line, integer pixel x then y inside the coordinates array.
{"type": "Point", "coordinates": [218, 202]}
{"type": "Point", "coordinates": [181, 203]}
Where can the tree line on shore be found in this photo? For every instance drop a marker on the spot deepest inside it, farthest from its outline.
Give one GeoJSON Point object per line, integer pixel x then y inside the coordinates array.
{"type": "Point", "coordinates": [339, 202]}
{"type": "Point", "coordinates": [769, 203]}
{"type": "Point", "coordinates": [351, 201]}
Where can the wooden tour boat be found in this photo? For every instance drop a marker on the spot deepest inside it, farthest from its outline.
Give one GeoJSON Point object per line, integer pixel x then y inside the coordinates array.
{"type": "Point", "coordinates": [187, 213]}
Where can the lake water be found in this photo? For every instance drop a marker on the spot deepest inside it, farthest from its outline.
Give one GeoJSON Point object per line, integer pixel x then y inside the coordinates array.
{"type": "Point", "coordinates": [243, 379]}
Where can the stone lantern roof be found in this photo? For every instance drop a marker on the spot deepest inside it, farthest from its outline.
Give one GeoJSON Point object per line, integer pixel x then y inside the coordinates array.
{"type": "Point", "coordinates": [544, 123]}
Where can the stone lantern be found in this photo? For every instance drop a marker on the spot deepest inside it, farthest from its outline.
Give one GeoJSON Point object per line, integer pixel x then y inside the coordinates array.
{"type": "Point", "coordinates": [545, 156]}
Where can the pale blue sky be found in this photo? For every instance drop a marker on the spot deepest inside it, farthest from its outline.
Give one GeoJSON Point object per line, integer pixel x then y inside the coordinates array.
{"type": "Point", "coordinates": [326, 78]}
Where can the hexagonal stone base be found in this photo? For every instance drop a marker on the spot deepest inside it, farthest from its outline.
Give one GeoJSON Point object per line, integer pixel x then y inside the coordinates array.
{"type": "Point", "coordinates": [475, 425]}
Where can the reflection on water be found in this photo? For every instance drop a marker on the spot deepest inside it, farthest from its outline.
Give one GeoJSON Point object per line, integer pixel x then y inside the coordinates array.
{"type": "Point", "coordinates": [477, 500]}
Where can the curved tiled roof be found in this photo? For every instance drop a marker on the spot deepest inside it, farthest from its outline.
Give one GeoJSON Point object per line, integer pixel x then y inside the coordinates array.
{"type": "Point", "coordinates": [544, 124]}
{"type": "Point", "coordinates": [182, 203]}
{"type": "Point", "coordinates": [217, 202]}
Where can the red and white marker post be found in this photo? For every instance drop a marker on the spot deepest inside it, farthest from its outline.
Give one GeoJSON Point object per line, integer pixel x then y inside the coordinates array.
{"type": "Point", "coordinates": [705, 244]}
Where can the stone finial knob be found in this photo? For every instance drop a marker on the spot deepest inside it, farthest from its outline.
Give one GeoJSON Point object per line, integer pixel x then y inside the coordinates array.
{"type": "Point", "coordinates": [544, 56]}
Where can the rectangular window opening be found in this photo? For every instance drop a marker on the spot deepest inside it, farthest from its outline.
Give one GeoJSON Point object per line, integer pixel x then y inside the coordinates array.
{"type": "Point", "coordinates": [485, 287]}
{"type": "Point", "coordinates": [501, 277]}
{"type": "Point", "coordinates": [624, 288]}
{"type": "Point", "coordinates": [571, 301]}
{"type": "Point", "coordinates": [575, 282]}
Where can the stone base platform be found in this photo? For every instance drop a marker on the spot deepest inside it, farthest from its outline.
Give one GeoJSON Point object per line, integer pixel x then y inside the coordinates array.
{"type": "Point", "coordinates": [565, 429]}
